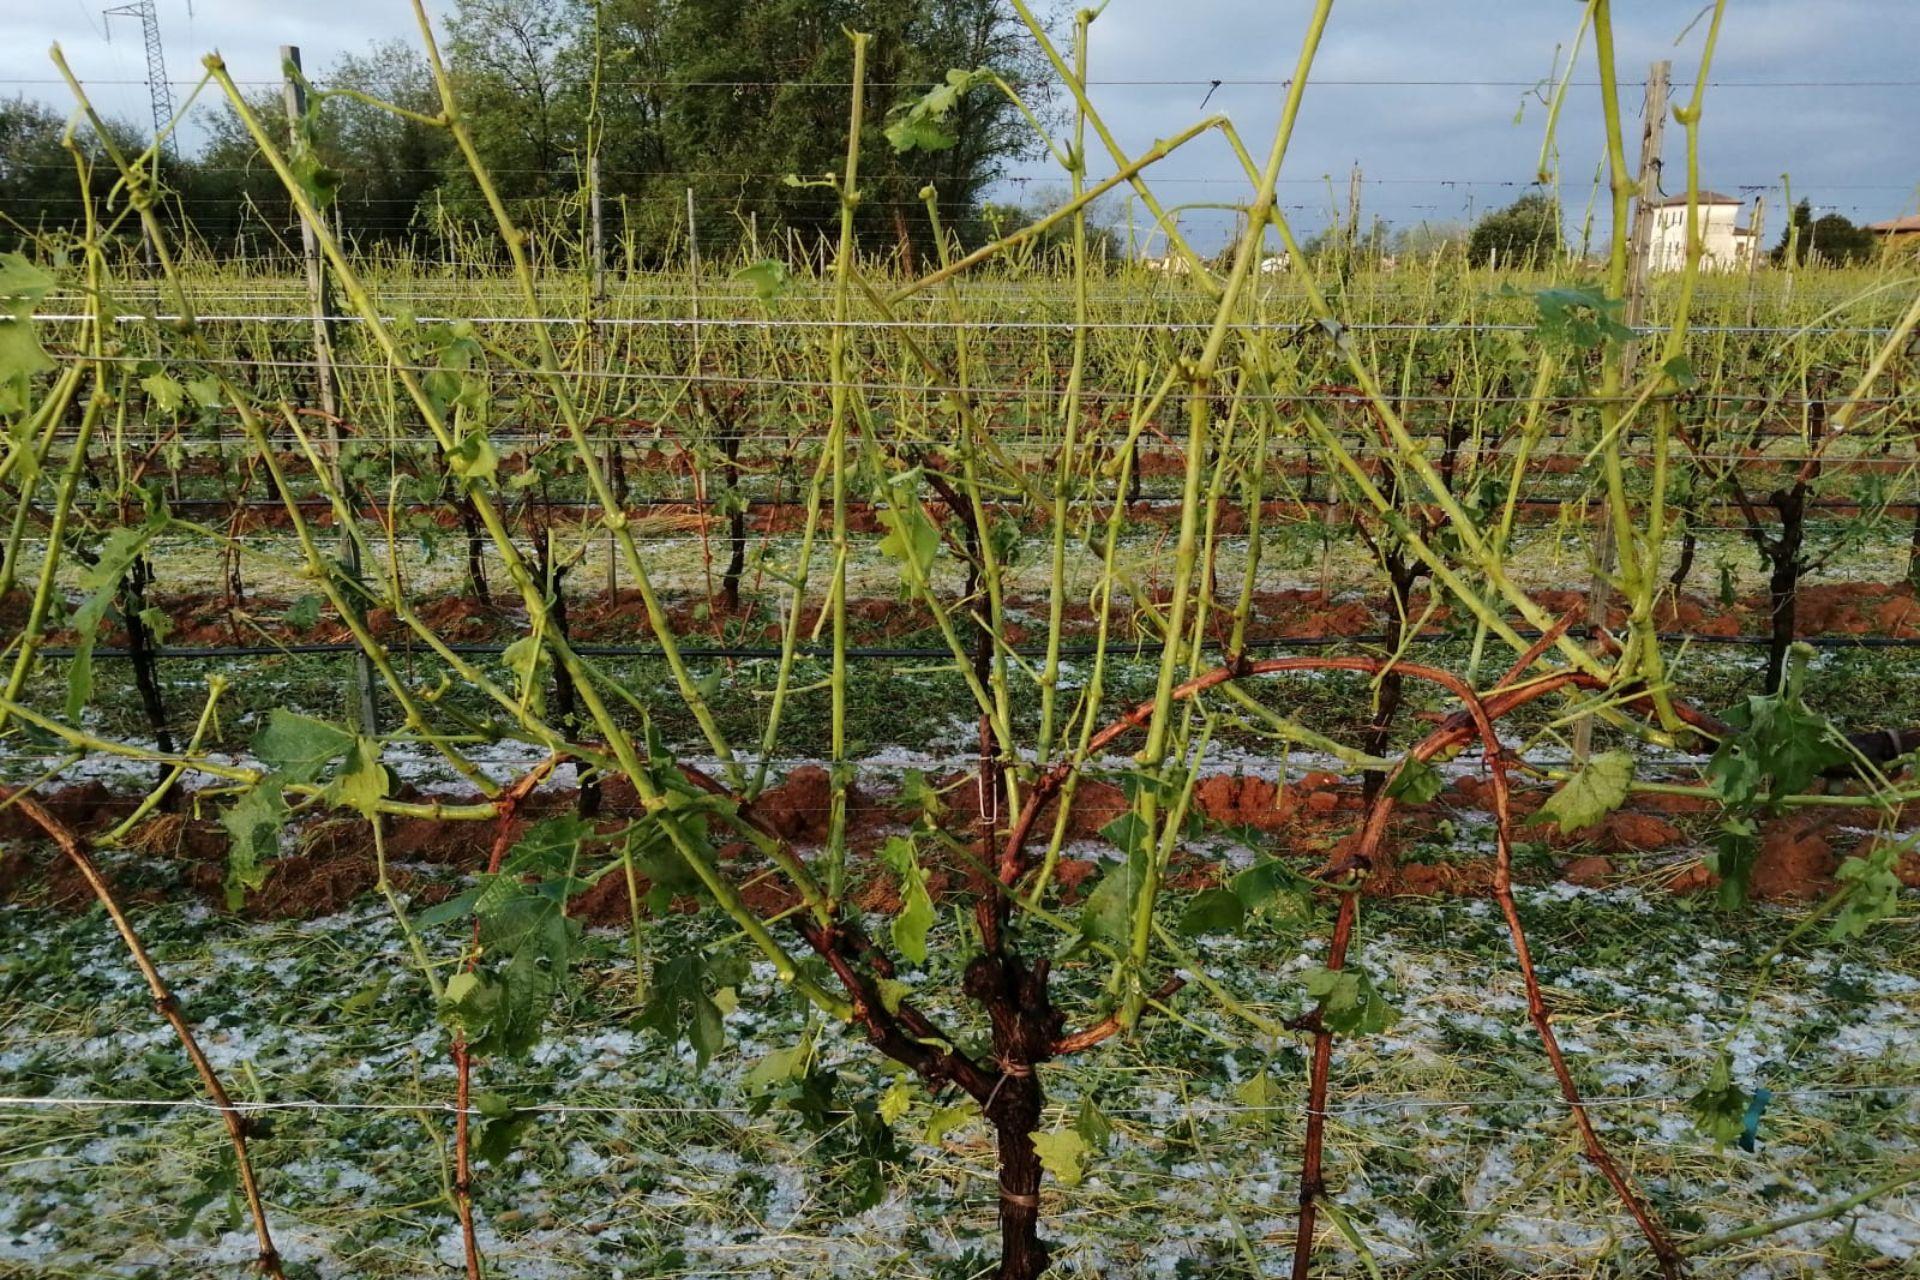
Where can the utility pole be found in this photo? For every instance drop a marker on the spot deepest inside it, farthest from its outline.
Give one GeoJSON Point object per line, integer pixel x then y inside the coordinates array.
{"type": "Point", "coordinates": [293, 90]}
{"type": "Point", "coordinates": [1653, 129]}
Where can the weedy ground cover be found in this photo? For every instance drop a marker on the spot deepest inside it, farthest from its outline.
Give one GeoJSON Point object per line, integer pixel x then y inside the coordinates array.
{"type": "Point", "coordinates": [1451, 1144]}
{"type": "Point", "coordinates": [1016, 764]}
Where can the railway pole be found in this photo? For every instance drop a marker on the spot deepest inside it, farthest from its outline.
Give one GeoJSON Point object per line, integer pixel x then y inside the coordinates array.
{"type": "Point", "coordinates": [360, 704]}
{"type": "Point", "coordinates": [1653, 128]}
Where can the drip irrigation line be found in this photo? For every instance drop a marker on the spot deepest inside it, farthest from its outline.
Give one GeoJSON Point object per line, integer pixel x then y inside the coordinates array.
{"type": "Point", "coordinates": [1144, 650]}
{"type": "Point", "coordinates": [713, 529]}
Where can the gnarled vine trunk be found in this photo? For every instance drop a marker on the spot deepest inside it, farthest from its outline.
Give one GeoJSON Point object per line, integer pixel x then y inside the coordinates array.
{"type": "Point", "coordinates": [1025, 1028]}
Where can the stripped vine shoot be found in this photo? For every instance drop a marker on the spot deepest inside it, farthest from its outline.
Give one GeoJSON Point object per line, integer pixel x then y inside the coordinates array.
{"type": "Point", "coordinates": [840, 725]}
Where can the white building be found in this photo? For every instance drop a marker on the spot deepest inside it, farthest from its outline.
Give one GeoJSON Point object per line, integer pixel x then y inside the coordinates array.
{"type": "Point", "coordinates": [1725, 244]}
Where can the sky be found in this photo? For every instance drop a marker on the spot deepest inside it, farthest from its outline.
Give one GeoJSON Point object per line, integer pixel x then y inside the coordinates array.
{"type": "Point", "coordinates": [1421, 94]}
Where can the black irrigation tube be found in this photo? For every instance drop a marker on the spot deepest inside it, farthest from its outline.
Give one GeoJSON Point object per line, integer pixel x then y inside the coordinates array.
{"type": "Point", "coordinates": [903, 653]}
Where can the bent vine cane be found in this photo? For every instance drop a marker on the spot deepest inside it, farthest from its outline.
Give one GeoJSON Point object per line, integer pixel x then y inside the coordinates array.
{"type": "Point", "coordinates": [70, 844]}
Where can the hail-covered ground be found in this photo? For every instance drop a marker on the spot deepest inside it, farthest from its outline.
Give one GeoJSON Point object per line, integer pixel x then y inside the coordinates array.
{"type": "Point", "coordinates": [610, 1151]}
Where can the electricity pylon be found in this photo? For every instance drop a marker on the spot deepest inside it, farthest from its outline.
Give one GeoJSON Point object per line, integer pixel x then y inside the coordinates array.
{"type": "Point", "coordinates": [159, 92]}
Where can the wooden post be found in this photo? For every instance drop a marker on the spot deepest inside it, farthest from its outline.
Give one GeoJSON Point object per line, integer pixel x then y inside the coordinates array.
{"type": "Point", "coordinates": [360, 705]}
{"type": "Point", "coordinates": [693, 236]}
{"type": "Point", "coordinates": [1353, 209]}
{"type": "Point", "coordinates": [596, 346]}
{"type": "Point", "coordinates": [1653, 129]}
{"type": "Point", "coordinates": [626, 236]}
{"type": "Point", "coordinates": [596, 233]}
{"type": "Point", "coordinates": [1759, 225]}
{"type": "Point", "coordinates": [693, 267]}
{"type": "Point", "coordinates": [693, 284]}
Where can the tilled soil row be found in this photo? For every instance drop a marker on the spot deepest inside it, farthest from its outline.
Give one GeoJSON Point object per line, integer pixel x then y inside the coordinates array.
{"type": "Point", "coordinates": [1655, 842]}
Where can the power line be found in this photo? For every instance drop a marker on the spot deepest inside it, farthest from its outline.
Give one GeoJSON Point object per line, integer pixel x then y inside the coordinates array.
{"type": "Point", "coordinates": [499, 171]}
{"type": "Point", "coordinates": [1108, 83]}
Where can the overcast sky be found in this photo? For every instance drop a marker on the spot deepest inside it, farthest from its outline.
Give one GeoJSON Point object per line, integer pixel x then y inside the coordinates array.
{"type": "Point", "coordinates": [1821, 89]}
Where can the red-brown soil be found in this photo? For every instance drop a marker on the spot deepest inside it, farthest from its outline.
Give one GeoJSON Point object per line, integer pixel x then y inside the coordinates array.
{"type": "Point", "coordinates": [203, 618]}
{"type": "Point", "coordinates": [1312, 819]}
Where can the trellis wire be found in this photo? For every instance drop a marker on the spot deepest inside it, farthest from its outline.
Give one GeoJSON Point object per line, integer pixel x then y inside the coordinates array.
{"type": "Point", "coordinates": [824, 384]}
{"type": "Point", "coordinates": [1113, 326]}
{"type": "Point", "coordinates": [1378, 1103]}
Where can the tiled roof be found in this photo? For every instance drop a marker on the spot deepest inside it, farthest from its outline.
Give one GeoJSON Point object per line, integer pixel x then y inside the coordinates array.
{"type": "Point", "coordinates": [1706, 197]}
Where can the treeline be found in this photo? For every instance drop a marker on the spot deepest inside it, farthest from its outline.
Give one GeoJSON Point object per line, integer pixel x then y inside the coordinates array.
{"type": "Point", "coordinates": [728, 99]}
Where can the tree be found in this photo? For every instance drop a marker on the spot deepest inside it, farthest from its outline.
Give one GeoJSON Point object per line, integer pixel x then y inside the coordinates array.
{"type": "Point", "coordinates": [1526, 231]}
{"type": "Point", "coordinates": [762, 93]}
{"type": "Point", "coordinates": [37, 175]}
{"type": "Point", "coordinates": [1337, 237]}
{"type": "Point", "coordinates": [390, 164]}
{"type": "Point", "coordinates": [1105, 241]}
{"type": "Point", "coordinates": [514, 67]}
{"type": "Point", "coordinates": [1430, 239]}
{"type": "Point", "coordinates": [229, 192]}
{"type": "Point", "coordinates": [726, 97]}
{"type": "Point", "coordinates": [1830, 238]}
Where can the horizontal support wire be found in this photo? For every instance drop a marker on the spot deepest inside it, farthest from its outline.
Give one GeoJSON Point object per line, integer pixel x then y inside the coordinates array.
{"type": "Point", "coordinates": [1065, 325]}
{"type": "Point", "coordinates": [932, 388]}
{"type": "Point", "coordinates": [1376, 1104]}
{"type": "Point", "coordinates": [763, 503]}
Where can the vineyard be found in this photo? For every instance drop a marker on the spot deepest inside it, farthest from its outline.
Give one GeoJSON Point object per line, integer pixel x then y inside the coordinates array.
{"type": "Point", "coordinates": [520, 763]}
